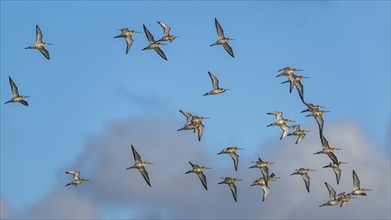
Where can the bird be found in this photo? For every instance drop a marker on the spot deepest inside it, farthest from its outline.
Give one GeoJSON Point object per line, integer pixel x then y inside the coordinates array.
{"type": "Point", "coordinates": [286, 71]}
{"type": "Point", "coordinates": [336, 169]}
{"type": "Point", "coordinates": [222, 39]}
{"type": "Point", "coordinates": [281, 122]}
{"type": "Point", "coordinates": [196, 127]}
{"type": "Point", "coordinates": [263, 166]}
{"type": "Point", "coordinates": [327, 149]}
{"type": "Point", "coordinates": [166, 34]}
{"type": "Point", "coordinates": [140, 165]}
{"type": "Point", "coordinates": [193, 123]}
{"type": "Point", "coordinates": [263, 183]}
{"type": "Point", "coordinates": [15, 94]}
{"type": "Point", "coordinates": [298, 132]}
{"type": "Point", "coordinates": [317, 114]}
{"type": "Point", "coordinates": [231, 183]}
{"type": "Point", "coordinates": [311, 107]}
{"type": "Point", "coordinates": [357, 191]}
{"type": "Point", "coordinates": [344, 198]}
{"type": "Point", "coordinates": [76, 178]}
{"type": "Point", "coordinates": [216, 89]}
{"type": "Point", "coordinates": [189, 116]}
{"type": "Point", "coordinates": [332, 197]}
{"type": "Point", "coordinates": [200, 130]}
{"type": "Point", "coordinates": [232, 152]}
{"type": "Point", "coordinates": [272, 177]}
{"type": "Point", "coordinates": [127, 34]}
{"type": "Point", "coordinates": [296, 81]}
{"type": "Point", "coordinates": [155, 45]}
{"type": "Point", "coordinates": [39, 44]}
{"type": "Point", "coordinates": [199, 170]}
{"type": "Point", "coordinates": [304, 173]}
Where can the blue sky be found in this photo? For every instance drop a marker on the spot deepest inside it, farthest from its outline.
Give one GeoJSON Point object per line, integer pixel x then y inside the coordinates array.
{"type": "Point", "coordinates": [90, 84]}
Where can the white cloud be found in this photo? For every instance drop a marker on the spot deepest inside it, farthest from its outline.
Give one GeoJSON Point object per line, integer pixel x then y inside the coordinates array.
{"type": "Point", "coordinates": [176, 195]}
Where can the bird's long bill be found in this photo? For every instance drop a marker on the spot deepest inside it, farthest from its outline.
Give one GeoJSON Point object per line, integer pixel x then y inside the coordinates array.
{"type": "Point", "coordinates": [221, 182]}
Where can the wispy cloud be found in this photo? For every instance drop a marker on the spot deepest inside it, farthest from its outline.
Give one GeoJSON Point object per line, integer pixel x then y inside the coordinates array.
{"type": "Point", "coordinates": [176, 195]}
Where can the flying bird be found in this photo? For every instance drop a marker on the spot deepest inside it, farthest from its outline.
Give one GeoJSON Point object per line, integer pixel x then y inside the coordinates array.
{"type": "Point", "coordinates": [344, 198]}
{"type": "Point", "coordinates": [304, 173]}
{"type": "Point", "coordinates": [166, 34]}
{"type": "Point", "coordinates": [76, 178]}
{"type": "Point", "coordinates": [222, 39]}
{"type": "Point", "coordinates": [298, 132]}
{"type": "Point", "coordinates": [155, 45]}
{"type": "Point", "coordinates": [294, 80]}
{"type": "Point", "coordinates": [318, 115]}
{"type": "Point", "coordinates": [272, 177]}
{"type": "Point", "coordinates": [231, 183]}
{"type": "Point", "coordinates": [39, 44]}
{"type": "Point", "coordinates": [232, 152]}
{"type": "Point", "coordinates": [15, 94]}
{"type": "Point", "coordinates": [281, 122]}
{"type": "Point", "coordinates": [199, 170]}
{"type": "Point", "coordinates": [327, 149]}
{"type": "Point", "coordinates": [287, 71]}
{"type": "Point", "coordinates": [311, 107]}
{"type": "Point", "coordinates": [263, 166]}
{"type": "Point", "coordinates": [140, 165]}
{"type": "Point", "coordinates": [332, 196]}
{"type": "Point", "coordinates": [336, 169]}
{"type": "Point", "coordinates": [263, 183]}
{"type": "Point", "coordinates": [193, 123]}
{"type": "Point", "coordinates": [216, 89]}
{"type": "Point", "coordinates": [357, 190]}
{"type": "Point", "coordinates": [127, 34]}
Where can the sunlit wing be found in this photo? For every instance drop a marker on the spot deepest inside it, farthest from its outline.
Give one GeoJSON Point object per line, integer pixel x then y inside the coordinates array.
{"type": "Point", "coordinates": [356, 181]}
{"type": "Point", "coordinates": [300, 89]}
{"type": "Point", "coordinates": [165, 27]}
{"type": "Point", "coordinates": [228, 49]}
{"type": "Point", "coordinates": [306, 179]}
{"type": "Point", "coordinates": [266, 191]}
{"type": "Point", "coordinates": [200, 130]}
{"type": "Point", "coordinates": [129, 42]}
{"type": "Point", "coordinates": [44, 52]}
{"type": "Point", "coordinates": [337, 172]}
{"type": "Point", "coordinates": [215, 81]}
{"type": "Point", "coordinates": [331, 191]}
{"type": "Point", "coordinates": [235, 158]}
{"type": "Point", "coordinates": [234, 191]}
{"type": "Point", "coordinates": [38, 34]}
{"type": "Point", "coordinates": [160, 52]}
{"type": "Point", "coordinates": [145, 175]}
{"type": "Point", "coordinates": [76, 175]}
{"type": "Point", "coordinates": [220, 32]}
{"type": "Point", "coordinates": [332, 157]}
{"type": "Point", "coordinates": [136, 156]}
{"type": "Point", "coordinates": [149, 35]}
{"type": "Point", "coordinates": [14, 88]}
{"type": "Point", "coordinates": [203, 179]}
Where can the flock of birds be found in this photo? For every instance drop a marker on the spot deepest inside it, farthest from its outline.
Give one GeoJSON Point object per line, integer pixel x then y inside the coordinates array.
{"type": "Point", "coordinates": [195, 123]}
